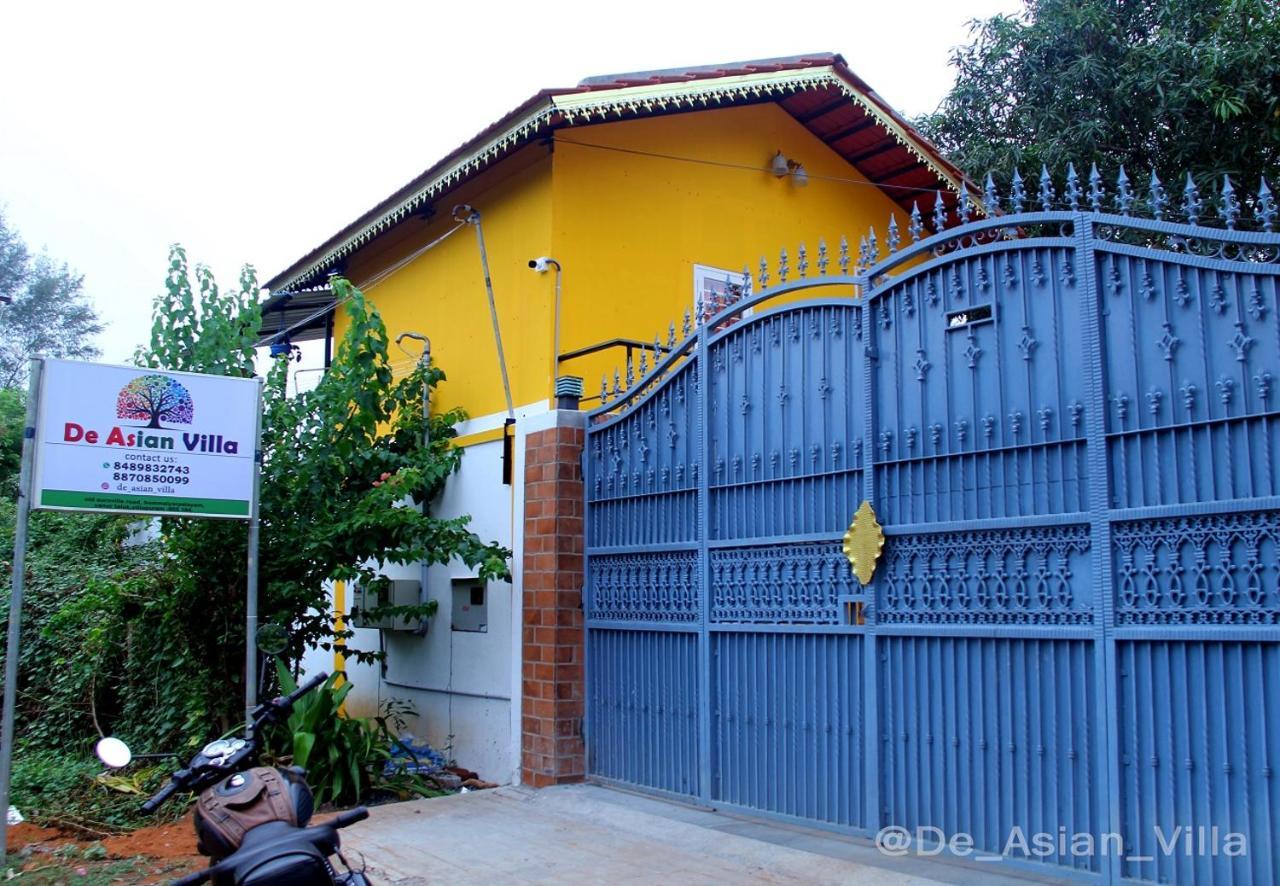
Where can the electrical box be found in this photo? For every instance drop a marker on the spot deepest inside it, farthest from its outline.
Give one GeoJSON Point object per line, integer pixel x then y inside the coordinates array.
{"type": "Point", "coordinates": [470, 605]}
{"type": "Point", "coordinates": [399, 592]}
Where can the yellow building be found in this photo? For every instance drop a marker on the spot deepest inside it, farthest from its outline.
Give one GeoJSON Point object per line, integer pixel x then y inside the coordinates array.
{"type": "Point", "coordinates": [645, 189]}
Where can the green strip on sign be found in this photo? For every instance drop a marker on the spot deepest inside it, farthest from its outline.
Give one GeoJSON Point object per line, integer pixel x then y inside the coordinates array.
{"type": "Point", "coordinates": [114, 501]}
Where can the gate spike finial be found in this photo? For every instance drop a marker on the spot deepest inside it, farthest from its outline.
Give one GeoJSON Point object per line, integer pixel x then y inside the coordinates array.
{"type": "Point", "coordinates": [863, 253]}
{"type": "Point", "coordinates": [1230, 204]}
{"type": "Point", "coordinates": [1191, 203]}
{"type": "Point", "coordinates": [617, 385]}
{"type": "Point", "coordinates": [916, 227]}
{"type": "Point", "coordinates": [687, 329]}
{"type": "Point", "coordinates": [873, 248]}
{"type": "Point", "coordinates": [644, 363]}
{"type": "Point", "coordinates": [1096, 192]}
{"type": "Point", "coordinates": [893, 239]}
{"type": "Point", "coordinates": [671, 336]}
{"type": "Point", "coordinates": [746, 283]}
{"type": "Point", "coordinates": [1017, 192]}
{"type": "Point", "coordinates": [963, 207]}
{"type": "Point", "coordinates": [990, 196]}
{"type": "Point", "coordinates": [604, 388]}
{"type": "Point", "coordinates": [802, 261]}
{"type": "Point", "coordinates": [1046, 189]}
{"type": "Point", "coordinates": [1158, 199]}
{"type": "Point", "coordinates": [783, 270]}
{"type": "Point", "coordinates": [1124, 194]}
{"type": "Point", "coordinates": [939, 214]}
{"type": "Point", "coordinates": [631, 373]}
{"type": "Point", "coordinates": [764, 272]}
{"type": "Point", "coordinates": [657, 349]}
{"type": "Point", "coordinates": [1072, 192]}
{"type": "Point", "coordinates": [1266, 207]}
{"type": "Point", "coordinates": [843, 258]}
{"type": "Point", "coordinates": [823, 258]}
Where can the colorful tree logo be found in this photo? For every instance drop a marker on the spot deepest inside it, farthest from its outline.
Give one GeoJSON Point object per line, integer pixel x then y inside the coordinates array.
{"type": "Point", "coordinates": [155, 398]}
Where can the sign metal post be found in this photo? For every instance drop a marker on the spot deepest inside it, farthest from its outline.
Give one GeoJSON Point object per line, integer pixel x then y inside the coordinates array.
{"type": "Point", "coordinates": [251, 591]}
{"type": "Point", "coordinates": [12, 649]}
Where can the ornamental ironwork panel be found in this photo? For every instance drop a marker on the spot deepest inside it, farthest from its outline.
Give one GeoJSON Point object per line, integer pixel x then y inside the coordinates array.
{"type": "Point", "coordinates": [1061, 407]}
{"type": "Point", "coordinates": [645, 587]}
{"type": "Point", "coordinates": [1219, 569]}
{"type": "Point", "coordinates": [780, 584]}
{"type": "Point", "coordinates": [1024, 576]}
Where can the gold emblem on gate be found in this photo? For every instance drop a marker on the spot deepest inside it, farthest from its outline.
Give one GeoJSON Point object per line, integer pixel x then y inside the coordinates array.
{"type": "Point", "coordinates": [863, 542]}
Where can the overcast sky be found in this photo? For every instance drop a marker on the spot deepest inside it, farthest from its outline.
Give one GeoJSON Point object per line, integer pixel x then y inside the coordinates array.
{"type": "Point", "coordinates": [250, 132]}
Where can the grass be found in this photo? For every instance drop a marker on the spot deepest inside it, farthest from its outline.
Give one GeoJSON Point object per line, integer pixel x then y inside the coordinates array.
{"type": "Point", "coordinates": [89, 866]}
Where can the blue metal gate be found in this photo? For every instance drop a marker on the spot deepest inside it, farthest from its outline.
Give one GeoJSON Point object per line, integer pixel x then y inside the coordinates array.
{"type": "Point", "coordinates": [1070, 649]}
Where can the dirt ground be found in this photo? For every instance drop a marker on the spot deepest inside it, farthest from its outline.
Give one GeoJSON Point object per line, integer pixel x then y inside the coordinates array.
{"type": "Point", "coordinates": [149, 855]}
{"type": "Point", "coordinates": [152, 854]}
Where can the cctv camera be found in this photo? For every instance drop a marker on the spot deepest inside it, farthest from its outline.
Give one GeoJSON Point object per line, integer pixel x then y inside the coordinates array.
{"type": "Point", "coordinates": [540, 264]}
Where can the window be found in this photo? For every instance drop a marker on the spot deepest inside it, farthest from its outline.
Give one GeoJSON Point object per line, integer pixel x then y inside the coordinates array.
{"type": "Point", "coordinates": [713, 288]}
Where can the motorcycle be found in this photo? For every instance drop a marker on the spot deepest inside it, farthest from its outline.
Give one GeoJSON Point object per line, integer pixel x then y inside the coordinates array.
{"type": "Point", "coordinates": [253, 821]}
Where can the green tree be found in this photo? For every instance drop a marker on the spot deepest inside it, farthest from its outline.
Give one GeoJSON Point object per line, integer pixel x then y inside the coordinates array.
{"type": "Point", "coordinates": [147, 640]}
{"type": "Point", "coordinates": [346, 480]}
{"type": "Point", "coordinates": [13, 418]}
{"type": "Point", "coordinates": [1170, 85]}
{"type": "Point", "coordinates": [45, 310]}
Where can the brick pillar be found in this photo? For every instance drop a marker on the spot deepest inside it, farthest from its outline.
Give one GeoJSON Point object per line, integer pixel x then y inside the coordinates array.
{"type": "Point", "coordinates": [551, 748]}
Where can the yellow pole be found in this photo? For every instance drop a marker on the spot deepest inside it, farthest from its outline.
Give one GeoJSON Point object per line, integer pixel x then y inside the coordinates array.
{"type": "Point", "coordinates": [339, 645]}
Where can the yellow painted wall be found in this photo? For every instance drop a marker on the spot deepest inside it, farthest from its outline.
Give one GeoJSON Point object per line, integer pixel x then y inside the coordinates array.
{"type": "Point", "coordinates": [628, 229]}
{"type": "Point", "coordinates": [441, 294]}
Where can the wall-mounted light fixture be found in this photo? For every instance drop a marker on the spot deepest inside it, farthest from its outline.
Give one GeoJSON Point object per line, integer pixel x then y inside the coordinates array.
{"type": "Point", "coordinates": [782, 166]}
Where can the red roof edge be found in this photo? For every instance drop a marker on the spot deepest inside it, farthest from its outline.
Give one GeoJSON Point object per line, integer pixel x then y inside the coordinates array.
{"type": "Point", "coordinates": [843, 70]}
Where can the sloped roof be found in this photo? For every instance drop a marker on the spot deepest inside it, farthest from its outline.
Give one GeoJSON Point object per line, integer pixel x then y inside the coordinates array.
{"type": "Point", "coordinates": [819, 91]}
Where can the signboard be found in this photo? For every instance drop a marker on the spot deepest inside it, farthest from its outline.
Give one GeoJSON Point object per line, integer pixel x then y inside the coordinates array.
{"type": "Point", "coordinates": [145, 441]}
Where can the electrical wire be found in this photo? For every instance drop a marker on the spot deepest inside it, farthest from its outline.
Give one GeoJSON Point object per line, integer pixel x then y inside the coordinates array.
{"type": "Point", "coordinates": [368, 284]}
{"type": "Point", "coordinates": [382, 275]}
{"type": "Point", "coordinates": [745, 166]}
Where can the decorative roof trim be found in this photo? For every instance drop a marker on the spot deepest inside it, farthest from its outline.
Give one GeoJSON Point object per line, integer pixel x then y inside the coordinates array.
{"type": "Point", "coordinates": [583, 108]}
{"type": "Point", "coordinates": [467, 165]}
{"type": "Point", "coordinates": [668, 96]}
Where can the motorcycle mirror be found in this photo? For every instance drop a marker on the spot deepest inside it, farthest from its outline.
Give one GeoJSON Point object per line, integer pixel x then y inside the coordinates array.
{"type": "Point", "coordinates": [113, 752]}
{"type": "Point", "coordinates": [272, 639]}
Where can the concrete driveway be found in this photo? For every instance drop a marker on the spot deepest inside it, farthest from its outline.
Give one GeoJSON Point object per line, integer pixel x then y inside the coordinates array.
{"type": "Point", "coordinates": [591, 834]}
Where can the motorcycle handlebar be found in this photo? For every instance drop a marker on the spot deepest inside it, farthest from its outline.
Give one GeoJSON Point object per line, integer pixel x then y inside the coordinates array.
{"type": "Point", "coordinates": [286, 702]}
{"type": "Point", "coordinates": [345, 819]}
{"type": "Point", "coordinates": [269, 711]}
{"type": "Point", "coordinates": [159, 797]}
